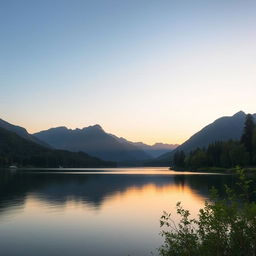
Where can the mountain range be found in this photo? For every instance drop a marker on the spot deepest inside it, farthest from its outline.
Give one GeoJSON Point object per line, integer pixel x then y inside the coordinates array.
{"type": "Point", "coordinates": [92, 140]}
{"type": "Point", "coordinates": [17, 150]}
{"type": "Point", "coordinates": [90, 144]}
{"type": "Point", "coordinates": [157, 149]}
{"type": "Point", "coordinates": [223, 129]}
{"type": "Point", "coordinates": [96, 142]}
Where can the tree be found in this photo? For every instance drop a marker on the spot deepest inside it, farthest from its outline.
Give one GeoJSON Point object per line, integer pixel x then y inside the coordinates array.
{"type": "Point", "coordinates": [254, 147]}
{"type": "Point", "coordinates": [179, 158]}
{"type": "Point", "coordinates": [247, 137]}
{"type": "Point", "coordinates": [225, 227]}
{"type": "Point", "coordinates": [214, 151]}
{"type": "Point", "coordinates": [238, 155]}
{"type": "Point", "coordinates": [198, 158]}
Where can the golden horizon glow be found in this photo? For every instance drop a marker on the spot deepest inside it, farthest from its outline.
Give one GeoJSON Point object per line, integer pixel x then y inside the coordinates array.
{"type": "Point", "coordinates": [173, 134]}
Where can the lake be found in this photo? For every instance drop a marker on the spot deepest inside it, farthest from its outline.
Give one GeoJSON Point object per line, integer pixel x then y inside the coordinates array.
{"type": "Point", "coordinates": [110, 212]}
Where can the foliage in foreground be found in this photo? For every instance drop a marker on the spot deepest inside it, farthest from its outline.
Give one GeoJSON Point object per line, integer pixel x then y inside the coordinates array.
{"type": "Point", "coordinates": [225, 227]}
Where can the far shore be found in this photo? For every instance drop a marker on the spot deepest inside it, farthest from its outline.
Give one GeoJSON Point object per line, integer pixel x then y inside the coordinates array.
{"type": "Point", "coordinates": [248, 170]}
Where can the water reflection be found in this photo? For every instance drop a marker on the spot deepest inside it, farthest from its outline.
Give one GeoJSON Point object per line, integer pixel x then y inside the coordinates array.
{"type": "Point", "coordinates": [94, 189]}
{"type": "Point", "coordinates": [93, 214]}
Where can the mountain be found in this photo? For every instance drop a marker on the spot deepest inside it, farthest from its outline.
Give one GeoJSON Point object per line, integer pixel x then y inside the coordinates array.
{"type": "Point", "coordinates": [222, 129]}
{"type": "Point", "coordinates": [21, 132]}
{"type": "Point", "coordinates": [15, 149]}
{"type": "Point", "coordinates": [155, 150]}
{"type": "Point", "coordinates": [94, 141]}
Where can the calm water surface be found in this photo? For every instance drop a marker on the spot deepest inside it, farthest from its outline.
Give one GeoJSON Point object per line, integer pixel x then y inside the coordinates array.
{"type": "Point", "coordinates": [110, 212]}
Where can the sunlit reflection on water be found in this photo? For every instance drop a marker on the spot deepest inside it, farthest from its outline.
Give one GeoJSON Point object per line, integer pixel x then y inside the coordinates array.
{"type": "Point", "coordinates": [72, 213]}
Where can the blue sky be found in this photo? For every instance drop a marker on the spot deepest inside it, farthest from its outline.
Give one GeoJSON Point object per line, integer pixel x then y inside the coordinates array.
{"type": "Point", "coordinates": [145, 70]}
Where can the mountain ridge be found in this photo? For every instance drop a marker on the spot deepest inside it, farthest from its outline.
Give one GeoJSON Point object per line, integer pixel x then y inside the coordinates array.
{"type": "Point", "coordinates": [21, 132]}
{"type": "Point", "coordinates": [154, 150]}
{"type": "Point", "coordinates": [222, 129]}
{"type": "Point", "coordinates": [94, 141]}
{"type": "Point", "coordinates": [14, 149]}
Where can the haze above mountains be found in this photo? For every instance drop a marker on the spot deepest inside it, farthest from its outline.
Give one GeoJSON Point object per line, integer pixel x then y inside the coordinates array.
{"type": "Point", "coordinates": [95, 142]}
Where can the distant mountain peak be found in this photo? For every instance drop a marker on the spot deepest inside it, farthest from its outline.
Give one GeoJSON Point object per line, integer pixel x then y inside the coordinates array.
{"type": "Point", "coordinates": [61, 128]}
{"type": "Point", "coordinates": [94, 141]}
{"type": "Point", "coordinates": [240, 113]}
{"type": "Point", "coordinates": [95, 128]}
{"type": "Point", "coordinates": [222, 129]}
{"type": "Point", "coordinates": [160, 144]}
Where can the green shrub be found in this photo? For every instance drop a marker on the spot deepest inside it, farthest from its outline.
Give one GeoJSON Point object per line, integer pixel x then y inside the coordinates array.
{"type": "Point", "coordinates": [224, 227]}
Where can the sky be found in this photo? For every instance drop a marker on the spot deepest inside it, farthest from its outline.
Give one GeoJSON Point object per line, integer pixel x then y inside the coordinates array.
{"type": "Point", "coordinates": [151, 71]}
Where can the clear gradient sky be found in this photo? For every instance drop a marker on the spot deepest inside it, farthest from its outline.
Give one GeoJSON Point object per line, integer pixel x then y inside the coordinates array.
{"type": "Point", "coordinates": [152, 71]}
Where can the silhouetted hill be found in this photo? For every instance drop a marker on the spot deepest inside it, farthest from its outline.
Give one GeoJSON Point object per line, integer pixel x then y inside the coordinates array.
{"type": "Point", "coordinates": [94, 141]}
{"type": "Point", "coordinates": [14, 149]}
{"type": "Point", "coordinates": [21, 132]}
{"type": "Point", "coordinates": [222, 129]}
{"type": "Point", "coordinates": [155, 150]}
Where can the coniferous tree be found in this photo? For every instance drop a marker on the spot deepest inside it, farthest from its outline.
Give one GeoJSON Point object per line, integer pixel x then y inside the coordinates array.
{"type": "Point", "coordinates": [179, 159]}
{"type": "Point", "coordinates": [224, 154]}
{"type": "Point", "coordinates": [254, 147]}
{"type": "Point", "coordinates": [247, 137]}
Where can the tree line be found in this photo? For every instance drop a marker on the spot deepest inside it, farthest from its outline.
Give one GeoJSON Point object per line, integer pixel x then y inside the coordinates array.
{"type": "Point", "coordinates": [224, 154]}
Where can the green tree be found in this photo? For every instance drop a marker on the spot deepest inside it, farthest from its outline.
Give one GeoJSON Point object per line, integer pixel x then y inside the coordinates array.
{"type": "Point", "coordinates": [198, 158]}
{"type": "Point", "coordinates": [254, 147]}
{"type": "Point", "coordinates": [214, 151]}
{"type": "Point", "coordinates": [247, 137]}
{"type": "Point", "coordinates": [238, 154]}
{"type": "Point", "coordinates": [179, 158]}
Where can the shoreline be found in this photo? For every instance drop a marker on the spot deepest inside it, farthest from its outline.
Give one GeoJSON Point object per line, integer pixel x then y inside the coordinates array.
{"type": "Point", "coordinates": [247, 170]}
